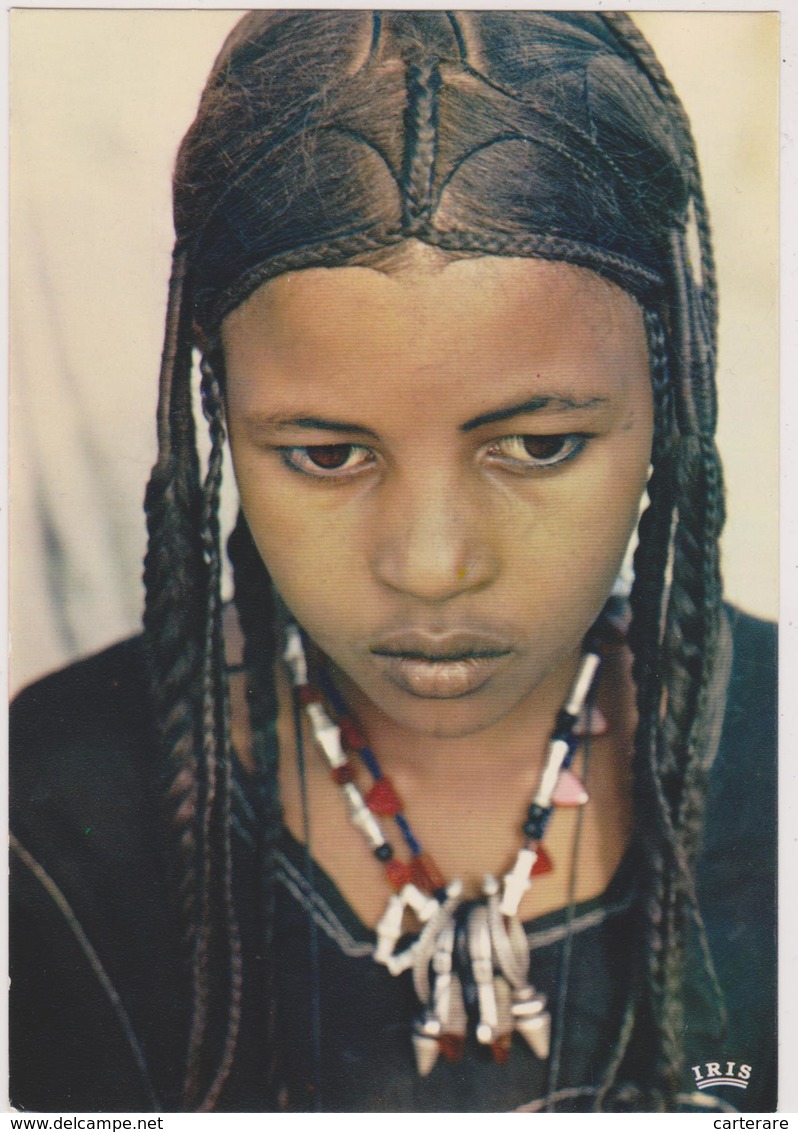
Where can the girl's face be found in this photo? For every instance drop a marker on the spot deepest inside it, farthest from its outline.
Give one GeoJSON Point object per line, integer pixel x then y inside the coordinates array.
{"type": "Point", "coordinates": [441, 468]}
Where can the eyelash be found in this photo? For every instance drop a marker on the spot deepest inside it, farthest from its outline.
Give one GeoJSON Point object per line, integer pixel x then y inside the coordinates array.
{"type": "Point", "coordinates": [300, 458]}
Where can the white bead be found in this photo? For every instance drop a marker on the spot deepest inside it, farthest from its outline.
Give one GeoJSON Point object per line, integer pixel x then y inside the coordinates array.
{"type": "Point", "coordinates": [529, 1008]}
{"type": "Point", "coordinates": [294, 656]}
{"type": "Point", "coordinates": [426, 1049]}
{"type": "Point", "coordinates": [389, 929]}
{"type": "Point", "coordinates": [490, 886]}
{"type": "Point", "coordinates": [326, 734]}
{"type": "Point", "coordinates": [517, 882]}
{"type": "Point", "coordinates": [424, 906]}
{"type": "Point", "coordinates": [581, 685]}
{"type": "Point", "coordinates": [558, 749]}
{"type": "Point", "coordinates": [536, 1032]}
{"type": "Point", "coordinates": [362, 817]}
{"type": "Point", "coordinates": [442, 966]}
{"type": "Point", "coordinates": [454, 890]}
{"type": "Point", "coordinates": [368, 824]}
{"type": "Point", "coordinates": [319, 719]}
{"type": "Point", "coordinates": [442, 961]}
{"type": "Point", "coordinates": [402, 962]}
{"type": "Point", "coordinates": [481, 955]}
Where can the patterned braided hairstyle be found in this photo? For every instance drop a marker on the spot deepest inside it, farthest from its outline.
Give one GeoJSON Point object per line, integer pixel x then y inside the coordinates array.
{"type": "Point", "coordinates": [329, 138]}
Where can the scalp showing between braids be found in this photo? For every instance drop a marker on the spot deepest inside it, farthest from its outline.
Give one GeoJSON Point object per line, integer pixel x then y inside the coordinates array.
{"type": "Point", "coordinates": [326, 138]}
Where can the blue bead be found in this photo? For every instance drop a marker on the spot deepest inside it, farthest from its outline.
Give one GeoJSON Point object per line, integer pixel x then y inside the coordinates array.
{"type": "Point", "coordinates": [564, 725]}
{"type": "Point", "coordinates": [537, 820]}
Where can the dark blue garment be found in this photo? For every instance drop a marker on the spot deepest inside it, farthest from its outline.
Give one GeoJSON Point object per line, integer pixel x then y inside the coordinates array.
{"type": "Point", "coordinates": [100, 993]}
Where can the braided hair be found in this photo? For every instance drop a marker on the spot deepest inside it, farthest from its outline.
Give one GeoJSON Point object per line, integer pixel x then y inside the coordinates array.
{"type": "Point", "coordinates": [326, 138]}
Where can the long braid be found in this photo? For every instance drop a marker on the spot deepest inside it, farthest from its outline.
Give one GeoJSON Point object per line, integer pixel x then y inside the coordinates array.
{"type": "Point", "coordinates": [207, 787]}
{"type": "Point", "coordinates": [687, 635]}
{"type": "Point", "coordinates": [183, 640]}
{"type": "Point", "coordinates": [217, 928]}
{"type": "Point", "coordinates": [694, 607]}
{"type": "Point", "coordinates": [671, 755]}
{"type": "Point", "coordinates": [184, 644]}
{"type": "Point", "coordinates": [174, 576]}
{"type": "Point", "coordinates": [650, 806]}
{"type": "Point", "coordinates": [645, 639]}
{"type": "Point", "coordinates": [255, 606]}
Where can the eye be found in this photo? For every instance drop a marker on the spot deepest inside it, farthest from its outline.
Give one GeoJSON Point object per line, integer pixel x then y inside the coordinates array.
{"type": "Point", "coordinates": [327, 461]}
{"type": "Point", "coordinates": [536, 451]}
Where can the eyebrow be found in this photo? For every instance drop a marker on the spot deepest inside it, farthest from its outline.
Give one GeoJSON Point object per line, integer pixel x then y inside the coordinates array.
{"type": "Point", "coordinates": [312, 422]}
{"type": "Point", "coordinates": [557, 404]}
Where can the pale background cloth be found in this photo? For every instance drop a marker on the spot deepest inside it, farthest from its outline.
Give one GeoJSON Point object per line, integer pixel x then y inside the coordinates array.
{"type": "Point", "coordinates": [99, 101]}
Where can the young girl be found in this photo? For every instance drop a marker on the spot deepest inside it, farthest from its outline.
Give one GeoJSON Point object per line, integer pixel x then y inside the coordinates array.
{"type": "Point", "coordinates": [433, 818]}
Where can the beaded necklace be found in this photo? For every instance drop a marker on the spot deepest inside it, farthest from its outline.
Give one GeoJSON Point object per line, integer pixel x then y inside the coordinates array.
{"type": "Point", "coordinates": [470, 958]}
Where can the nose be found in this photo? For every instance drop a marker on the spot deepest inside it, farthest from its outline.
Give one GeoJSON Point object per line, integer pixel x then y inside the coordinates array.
{"type": "Point", "coordinates": [433, 540]}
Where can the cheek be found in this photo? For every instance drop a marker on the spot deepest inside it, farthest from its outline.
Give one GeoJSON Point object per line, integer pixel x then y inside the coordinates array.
{"type": "Point", "coordinates": [571, 551]}
{"type": "Point", "coordinates": [305, 555]}
{"type": "Point", "coordinates": [592, 510]}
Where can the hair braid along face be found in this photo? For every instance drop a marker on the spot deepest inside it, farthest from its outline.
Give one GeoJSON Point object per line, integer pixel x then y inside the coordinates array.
{"type": "Point", "coordinates": [174, 574]}
{"type": "Point", "coordinates": [218, 929]}
{"type": "Point", "coordinates": [257, 616]}
{"type": "Point", "coordinates": [675, 636]}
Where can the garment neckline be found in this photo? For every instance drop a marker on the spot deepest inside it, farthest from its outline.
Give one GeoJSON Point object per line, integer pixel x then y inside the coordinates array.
{"type": "Point", "coordinates": [313, 886]}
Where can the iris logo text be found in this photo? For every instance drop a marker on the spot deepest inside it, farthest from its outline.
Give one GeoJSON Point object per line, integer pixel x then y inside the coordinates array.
{"type": "Point", "coordinates": [714, 1073]}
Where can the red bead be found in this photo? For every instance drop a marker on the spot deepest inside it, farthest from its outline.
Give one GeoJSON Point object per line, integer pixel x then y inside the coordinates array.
{"type": "Point", "coordinates": [343, 773]}
{"type": "Point", "coordinates": [398, 874]}
{"type": "Point", "coordinates": [452, 1046]}
{"type": "Point", "coordinates": [501, 1049]}
{"type": "Point", "coordinates": [543, 863]}
{"type": "Point", "coordinates": [383, 799]}
{"type": "Point", "coordinates": [426, 873]}
{"type": "Point", "coordinates": [351, 736]}
{"type": "Point", "coordinates": [308, 695]}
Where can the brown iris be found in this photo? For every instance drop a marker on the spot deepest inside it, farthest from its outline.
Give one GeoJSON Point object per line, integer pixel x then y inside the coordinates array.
{"type": "Point", "coordinates": [543, 447]}
{"type": "Point", "coordinates": [329, 455]}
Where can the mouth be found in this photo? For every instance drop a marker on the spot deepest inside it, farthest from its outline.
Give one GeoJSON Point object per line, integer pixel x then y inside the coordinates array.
{"type": "Point", "coordinates": [440, 666]}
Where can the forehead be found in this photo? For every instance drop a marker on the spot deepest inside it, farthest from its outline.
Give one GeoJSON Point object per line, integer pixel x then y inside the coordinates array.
{"type": "Point", "coordinates": [487, 316]}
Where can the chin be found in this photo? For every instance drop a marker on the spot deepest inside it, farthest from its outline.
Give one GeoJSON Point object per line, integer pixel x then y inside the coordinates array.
{"type": "Point", "coordinates": [455, 718]}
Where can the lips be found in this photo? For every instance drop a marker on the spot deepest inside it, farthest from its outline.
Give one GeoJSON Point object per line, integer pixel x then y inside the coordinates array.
{"type": "Point", "coordinates": [440, 666]}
